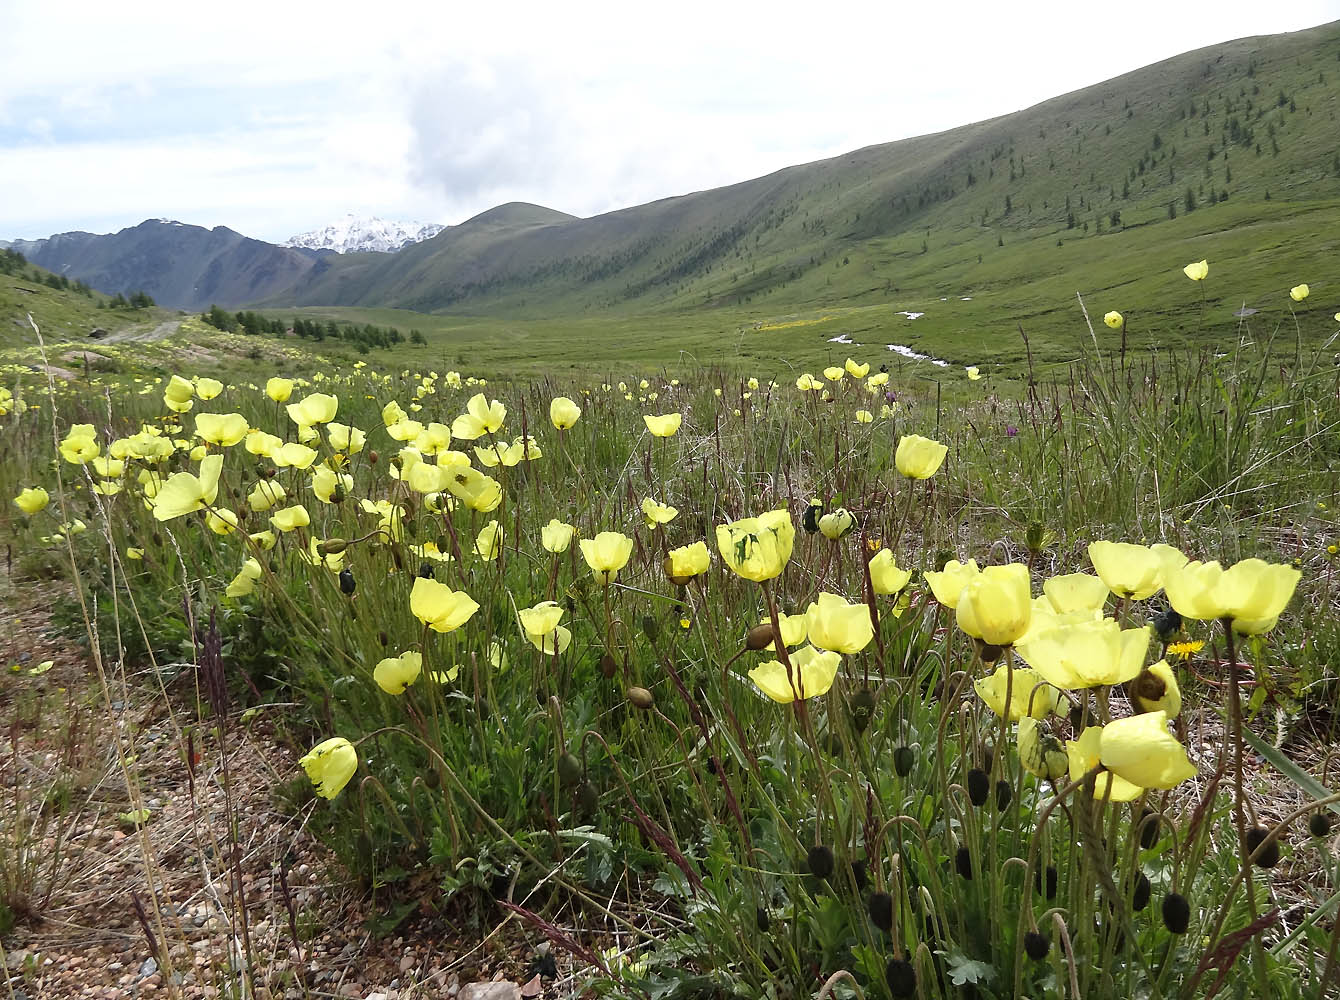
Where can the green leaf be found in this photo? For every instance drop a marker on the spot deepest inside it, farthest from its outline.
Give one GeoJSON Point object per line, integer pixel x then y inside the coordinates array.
{"type": "Point", "coordinates": [964, 970]}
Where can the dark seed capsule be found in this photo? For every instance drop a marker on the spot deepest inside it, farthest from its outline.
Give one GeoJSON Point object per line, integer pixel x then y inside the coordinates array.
{"type": "Point", "coordinates": [903, 759]}
{"type": "Point", "coordinates": [426, 570]}
{"type": "Point", "coordinates": [761, 919]}
{"type": "Point", "coordinates": [1176, 912]}
{"type": "Point", "coordinates": [963, 863]}
{"type": "Point", "coordinates": [1036, 945]}
{"type": "Point", "coordinates": [1149, 828]}
{"type": "Point", "coordinates": [432, 779]}
{"type": "Point", "coordinates": [1140, 897]}
{"type": "Point", "coordinates": [499, 885]}
{"type": "Point", "coordinates": [811, 519]}
{"type": "Point", "coordinates": [1269, 854]}
{"type": "Point", "coordinates": [880, 908]}
{"type": "Point", "coordinates": [820, 860]}
{"type": "Point", "coordinates": [901, 977]}
{"type": "Point", "coordinates": [1051, 881]}
{"type": "Point", "coordinates": [990, 652]}
{"type": "Point", "coordinates": [384, 639]}
{"type": "Point", "coordinates": [1004, 794]}
{"type": "Point", "coordinates": [588, 797]}
{"type": "Point", "coordinates": [347, 582]}
{"type": "Point", "coordinates": [569, 768]}
{"type": "Point", "coordinates": [979, 786]}
{"type": "Point", "coordinates": [862, 708]}
{"type": "Point", "coordinates": [1319, 825]}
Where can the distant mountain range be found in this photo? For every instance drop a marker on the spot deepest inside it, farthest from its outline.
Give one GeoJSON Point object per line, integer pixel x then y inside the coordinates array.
{"type": "Point", "coordinates": [354, 235]}
{"type": "Point", "coordinates": [1251, 120]}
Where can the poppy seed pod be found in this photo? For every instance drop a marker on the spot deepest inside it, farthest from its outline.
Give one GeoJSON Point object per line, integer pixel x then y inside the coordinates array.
{"type": "Point", "coordinates": [820, 861]}
{"type": "Point", "coordinates": [1036, 945]}
{"type": "Point", "coordinates": [588, 797]}
{"type": "Point", "coordinates": [880, 908]}
{"type": "Point", "coordinates": [347, 582]}
{"type": "Point", "coordinates": [425, 570]}
{"type": "Point", "coordinates": [1268, 855]}
{"type": "Point", "coordinates": [1319, 825]}
{"type": "Point", "coordinates": [640, 697]}
{"type": "Point", "coordinates": [569, 768]}
{"type": "Point", "coordinates": [1149, 828]}
{"type": "Point", "coordinates": [608, 666]}
{"type": "Point", "coordinates": [1004, 794]}
{"type": "Point", "coordinates": [963, 863]}
{"type": "Point", "coordinates": [810, 521]}
{"type": "Point", "coordinates": [858, 873]}
{"type": "Point", "coordinates": [332, 546]}
{"type": "Point", "coordinates": [1051, 880]}
{"type": "Point", "coordinates": [1176, 913]}
{"type": "Point", "coordinates": [901, 977]}
{"type": "Point", "coordinates": [761, 919]}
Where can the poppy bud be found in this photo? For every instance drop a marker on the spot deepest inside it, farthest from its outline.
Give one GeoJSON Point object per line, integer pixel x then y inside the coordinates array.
{"type": "Point", "coordinates": [963, 863]}
{"type": "Point", "coordinates": [761, 919]}
{"type": "Point", "coordinates": [373, 457]}
{"type": "Point", "coordinates": [337, 494]}
{"type": "Point", "coordinates": [1051, 881]}
{"type": "Point", "coordinates": [332, 546]}
{"type": "Point", "coordinates": [432, 779]}
{"type": "Point", "coordinates": [820, 860]}
{"type": "Point", "coordinates": [979, 786]}
{"type": "Point", "coordinates": [903, 760]}
{"type": "Point", "coordinates": [640, 697]}
{"type": "Point", "coordinates": [1176, 913]}
{"type": "Point", "coordinates": [989, 651]}
{"type": "Point", "coordinates": [1149, 828]}
{"type": "Point", "coordinates": [1319, 824]}
{"type": "Point", "coordinates": [384, 639]}
{"type": "Point", "coordinates": [1167, 624]}
{"type": "Point", "coordinates": [759, 637]}
{"type": "Point", "coordinates": [901, 977]}
{"type": "Point", "coordinates": [1036, 945]}
{"type": "Point", "coordinates": [426, 570]}
{"type": "Point", "coordinates": [651, 628]}
{"type": "Point", "coordinates": [347, 583]}
{"type": "Point", "coordinates": [810, 521]}
{"type": "Point", "coordinates": [569, 768]}
{"type": "Point", "coordinates": [1269, 854]}
{"type": "Point", "coordinates": [1004, 794]}
{"type": "Point", "coordinates": [588, 797]}
{"type": "Point", "coordinates": [608, 666]}
{"type": "Point", "coordinates": [858, 869]}
{"type": "Point", "coordinates": [862, 708]}
{"type": "Point", "coordinates": [880, 908]}
{"type": "Point", "coordinates": [1140, 897]}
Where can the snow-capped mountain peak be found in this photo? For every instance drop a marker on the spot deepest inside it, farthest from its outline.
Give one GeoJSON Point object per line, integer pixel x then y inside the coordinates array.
{"type": "Point", "coordinates": [352, 234]}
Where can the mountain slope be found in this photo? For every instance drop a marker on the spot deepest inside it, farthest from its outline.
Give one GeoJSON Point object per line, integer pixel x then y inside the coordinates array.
{"type": "Point", "coordinates": [1251, 119]}
{"type": "Point", "coordinates": [185, 267]}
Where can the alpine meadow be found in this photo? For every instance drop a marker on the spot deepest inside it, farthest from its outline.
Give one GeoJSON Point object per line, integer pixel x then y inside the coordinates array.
{"type": "Point", "coordinates": [912, 573]}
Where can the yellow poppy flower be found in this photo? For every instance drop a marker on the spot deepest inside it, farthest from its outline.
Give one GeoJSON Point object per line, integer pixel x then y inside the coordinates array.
{"type": "Point", "coordinates": [488, 543]}
{"type": "Point", "coordinates": [835, 625]}
{"type": "Point", "coordinates": [346, 438]}
{"type": "Point", "coordinates": [1155, 689]}
{"type": "Point", "coordinates": [857, 370]}
{"type": "Point", "coordinates": [1197, 271]}
{"type": "Point", "coordinates": [221, 521]}
{"type": "Point", "coordinates": [184, 492]}
{"type": "Point", "coordinates": [318, 408]}
{"type": "Point", "coordinates": [1087, 654]}
{"type": "Point", "coordinates": [1040, 752]}
{"type": "Point", "coordinates": [686, 562]}
{"type": "Point", "coordinates": [947, 585]}
{"type": "Point", "coordinates": [207, 388]}
{"type": "Point", "coordinates": [919, 458]}
{"type": "Point", "coordinates": [864, 417]}
{"type": "Point", "coordinates": [279, 389]}
{"type": "Point", "coordinates": [834, 374]}
{"type": "Point", "coordinates": [563, 412]}
{"type": "Point", "coordinates": [1084, 755]}
{"type": "Point", "coordinates": [80, 445]}
{"type": "Point", "coordinates": [996, 605]}
{"type": "Point", "coordinates": [1075, 592]}
{"type": "Point", "coordinates": [1133, 571]}
{"type": "Point", "coordinates": [835, 524]}
{"type": "Point", "coordinates": [481, 417]}
{"type": "Point", "coordinates": [757, 548]}
{"type": "Point", "coordinates": [1299, 292]}
{"type": "Point", "coordinates": [223, 429]}
{"type": "Point", "coordinates": [265, 495]}
{"type": "Point", "coordinates": [606, 554]}
{"type": "Point", "coordinates": [556, 536]}
{"type": "Point", "coordinates": [1030, 694]}
{"type": "Point", "coordinates": [812, 674]}
{"type": "Point", "coordinates": [663, 426]}
{"type": "Point", "coordinates": [395, 673]}
{"type": "Point", "coordinates": [244, 583]}
{"type": "Point", "coordinates": [974, 373]}
{"type": "Point", "coordinates": [326, 482]}
{"type": "Point", "coordinates": [658, 513]}
{"type": "Point", "coordinates": [291, 518]}
{"type": "Point", "coordinates": [263, 444]}
{"type": "Point", "coordinates": [885, 576]}
{"type": "Point", "coordinates": [1142, 750]}
{"type": "Point", "coordinates": [32, 499]}
{"type": "Point", "coordinates": [439, 607]}
{"type": "Point", "coordinates": [294, 455]}
{"type": "Point", "coordinates": [330, 765]}
{"type": "Point", "coordinates": [1114, 319]}
{"type": "Point", "coordinates": [540, 625]}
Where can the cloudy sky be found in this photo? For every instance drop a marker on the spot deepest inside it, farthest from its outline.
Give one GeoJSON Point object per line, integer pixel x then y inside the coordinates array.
{"type": "Point", "coordinates": [277, 117]}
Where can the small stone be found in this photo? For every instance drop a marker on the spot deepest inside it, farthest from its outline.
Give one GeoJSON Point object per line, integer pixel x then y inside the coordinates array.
{"type": "Point", "coordinates": [408, 962]}
{"type": "Point", "coordinates": [148, 967]}
{"type": "Point", "coordinates": [491, 991]}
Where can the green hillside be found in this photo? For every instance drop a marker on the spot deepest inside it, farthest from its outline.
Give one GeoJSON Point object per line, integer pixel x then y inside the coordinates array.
{"type": "Point", "coordinates": [1227, 152]}
{"type": "Point", "coordinates": [65, 310]}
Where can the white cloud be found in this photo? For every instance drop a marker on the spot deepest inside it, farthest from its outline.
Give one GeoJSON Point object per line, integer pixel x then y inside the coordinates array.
{"type": "Point", "coordinates": [276, 117]}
